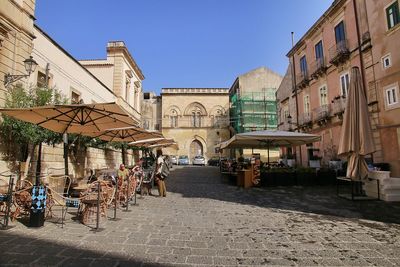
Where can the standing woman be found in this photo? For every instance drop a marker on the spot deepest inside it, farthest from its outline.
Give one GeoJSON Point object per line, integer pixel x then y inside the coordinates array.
{"type": "Point", "coordinates": [162, 190]}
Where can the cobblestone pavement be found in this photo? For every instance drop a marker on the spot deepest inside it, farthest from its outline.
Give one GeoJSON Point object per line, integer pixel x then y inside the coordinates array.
{"type": "Point", "coordinates": [205, 222]}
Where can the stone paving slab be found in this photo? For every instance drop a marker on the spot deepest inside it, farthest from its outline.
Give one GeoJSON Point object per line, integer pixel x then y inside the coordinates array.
{"type": "Point", "coordinates": [204, 222]}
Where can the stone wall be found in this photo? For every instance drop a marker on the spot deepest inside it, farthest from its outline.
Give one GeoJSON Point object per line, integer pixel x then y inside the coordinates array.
{"type": "Point", "coordinates": [80, 161]}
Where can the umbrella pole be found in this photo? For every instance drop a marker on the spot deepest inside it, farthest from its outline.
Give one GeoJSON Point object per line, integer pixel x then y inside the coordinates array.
{"type": "Point", "coordinates": [123, 154]}
{"type": "Point", "coordinates": [39, 165]}
{"type": "Point", "coordinates": [65, 139]}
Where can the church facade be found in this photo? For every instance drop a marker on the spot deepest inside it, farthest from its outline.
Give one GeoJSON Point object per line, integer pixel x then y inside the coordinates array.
{"type": "Point", "coordinates": [196, 118]}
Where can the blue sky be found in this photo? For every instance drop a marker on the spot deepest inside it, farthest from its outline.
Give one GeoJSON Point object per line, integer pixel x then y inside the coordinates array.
{"type": "Point", "coordinates": [183, 43]}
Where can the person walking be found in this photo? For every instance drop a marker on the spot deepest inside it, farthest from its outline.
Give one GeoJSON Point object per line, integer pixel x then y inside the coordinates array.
{"type": "Point", "coordinates": [162, 190]}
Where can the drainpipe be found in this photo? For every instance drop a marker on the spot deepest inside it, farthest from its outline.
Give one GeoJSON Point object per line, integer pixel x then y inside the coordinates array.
{"type": "Point", "coordinates": [360, 55]}
{"type": "Point", "coordinates": [295, 94]}
{"type": "Point", "coordinates": [359, 47]}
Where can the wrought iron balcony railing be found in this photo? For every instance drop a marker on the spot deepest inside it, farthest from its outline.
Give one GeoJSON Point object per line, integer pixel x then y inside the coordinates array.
{"type": "Point", "coordinates": [322, 114]}
{"type": "Point", "coordinates": [302, 79]}
{"type": "Point", "coordinates": [339, 53]}
{"type": "Point", "coordinates": [305, 119]}
{"type": "Point", "coordinates": [318, 67]}
{"type": "Point", "coordinates": [338, 106]}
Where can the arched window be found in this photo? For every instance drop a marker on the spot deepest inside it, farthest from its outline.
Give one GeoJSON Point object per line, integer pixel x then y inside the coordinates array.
{"type": "Point", "coordinates": [218, 118]}
{"type": "Point", "coordinates": [196, 117]}
{"type": "Point", "coordinates": [174, 118]}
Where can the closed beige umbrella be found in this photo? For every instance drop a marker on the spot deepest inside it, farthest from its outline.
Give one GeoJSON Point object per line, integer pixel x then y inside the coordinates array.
{"type": "Point", "coordinates": [356, 135]}
{"type": "Point", "coordinates": [78, 118]}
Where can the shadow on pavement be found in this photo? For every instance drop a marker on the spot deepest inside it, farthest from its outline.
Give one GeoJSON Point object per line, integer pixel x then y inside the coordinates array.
{"type": "Point", "coordinates": [17, 250]}
{"type": "Point", "coordinates": [206, 182]}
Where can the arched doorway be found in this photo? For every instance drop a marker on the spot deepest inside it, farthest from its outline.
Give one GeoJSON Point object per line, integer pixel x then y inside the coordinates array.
{"type": "Point", "coordinates": [196, 149]}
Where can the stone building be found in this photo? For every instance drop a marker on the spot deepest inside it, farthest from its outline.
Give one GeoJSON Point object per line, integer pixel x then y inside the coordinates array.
{"type": "Point", "coordinates": [196, 118]}
{"type": "Point", "coordinates": [252, 98]}
{"type": "Point", "coordinates": [151, 111]}
{"type": "Point", "coordinates": [350, 33]}
{"type": "Point", "coordinates": [65, 73]}
{"type": "Point", "coordinates": [380, 38]}
{"type": "Point", "coordinates": [120, 72]}
{"type": "Point", "coordinates": [16, 38]}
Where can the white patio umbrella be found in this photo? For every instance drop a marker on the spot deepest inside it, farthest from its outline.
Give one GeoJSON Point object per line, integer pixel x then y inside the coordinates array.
{"type": "Point", "coordinates": [269, 138]}
{"type": "Point", "coordinates": [356, 135]}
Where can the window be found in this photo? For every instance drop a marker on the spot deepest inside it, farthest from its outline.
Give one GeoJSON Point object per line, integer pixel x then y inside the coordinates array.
{"type": "Point", "coordinates": [319, 51]}
{"type": "Point", "coordinates": [386, 61]}
{"type": "Point", "coordinates": [306, 104]}
{"type": "Point", "coordinates": [174, 118]}
{"type": "Point", "coordinates": [323, 95]}
{"type": "Point", "coordinates": [146, 125]}
{"type": "Point", "coordinates": [146, 95]}
{"type": "Point", "coordinates": [127, 86]}
{"type": "Point", "coordinates": [285, 112]}
{"type": "Point", "coordinates": [392, 15]}
{"type": "Point", "coordinates": [196, 119]}
{"type": "Point", "coordinates": [75, 98]}
{"type": "Point", "coordinates": [340, 34]}
{"type": "Point", "coordinates": [303, 65]}
{"type": "Point", "coordinates": [41, 80]}
{"type": "Point", "coordinates": [344, 84]}
{"type": "Point", "coordinates": [391, 96]}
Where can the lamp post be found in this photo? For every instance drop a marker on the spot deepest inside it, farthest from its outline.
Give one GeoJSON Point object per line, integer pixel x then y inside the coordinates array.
{"type": "Point", "coordinates": [30, 66]}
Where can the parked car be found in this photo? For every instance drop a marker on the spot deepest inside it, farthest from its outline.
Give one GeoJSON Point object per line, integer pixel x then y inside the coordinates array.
{"type": "Point", "coordinates": [183, 160]}
{"type": "Point", "coordinates": [214, 161]}
{"type": "Point", "coordinates": [199, 160]}
{"type": "Point", "coordinates": [174, 160]}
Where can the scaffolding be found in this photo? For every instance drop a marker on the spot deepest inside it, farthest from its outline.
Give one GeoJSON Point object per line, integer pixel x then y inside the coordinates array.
{"type": "Point", "coordinates": [253, 111]}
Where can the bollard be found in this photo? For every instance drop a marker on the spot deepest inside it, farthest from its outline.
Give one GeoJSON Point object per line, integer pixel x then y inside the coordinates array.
{"type": "Point", "coordinates": [127, 194]}
{"type": "Point", "coordinates": [9, 201]}
{"type": "Point", "coordinates": [98, 206]}
{"type": "Point", "coordinates": [115, 198]}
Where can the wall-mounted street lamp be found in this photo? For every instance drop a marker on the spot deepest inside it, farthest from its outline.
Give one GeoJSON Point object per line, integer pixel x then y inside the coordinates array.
{"type": "Point", "coordinates": [30, 66]}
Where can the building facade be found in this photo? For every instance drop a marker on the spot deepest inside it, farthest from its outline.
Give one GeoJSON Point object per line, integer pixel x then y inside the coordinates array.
{"type": "Point", "coordinates": [253, 102]}
{"type": "Point", "coordinates": [121, 74]}
{"type": "Point", "coordinates": [382, 69]}
{"type": "Point", "coordinates": [16, 39]}
{"type": "Point", "coordinates": [65, 73]}
{"type": "Point", "coordinates": [196, 118]}
{"type": "Point", "coordinates": [350, 33]}
{"type": "Point", "coordinates": [151, 111]}
{"type": "Point", "coordinates": [321, 61]}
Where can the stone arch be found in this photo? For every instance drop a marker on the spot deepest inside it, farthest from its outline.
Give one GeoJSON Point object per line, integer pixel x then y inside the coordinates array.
{"type": "Point", "coordinates": [199, 139]}
{"type": "Point", "coordinates": [195, 106]}
{"type": "Point", "coordinates": [171, 109]}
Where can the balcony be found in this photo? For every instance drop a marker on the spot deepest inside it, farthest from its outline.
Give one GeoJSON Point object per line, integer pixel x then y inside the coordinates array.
{"type": "Point", "coordinates": [338, 106]}
{"type": "Point", "coordinates": [318, 68]}
{"type": "Point", "coordinates": [302, 80]}
{"type": "Point", "coordinates": [322, 114]}
{"type": "Point", "coordinates": [339, 53]}
{"type": "Point", "coordinates": [305, 121]}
